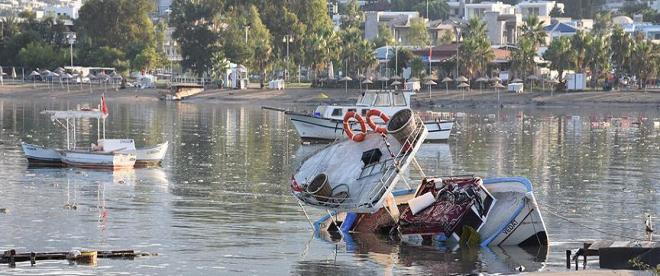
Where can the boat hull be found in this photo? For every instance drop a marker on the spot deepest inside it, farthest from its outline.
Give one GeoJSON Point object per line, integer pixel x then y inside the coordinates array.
{"type": "Point", "coordinates": [151, 156]}
{"type": "Point", "coordinates": [315, 128]}
{"type": "Point", "coordinates": [95, 160]}
{"type": "Point", "coordinates": [41, 156]}
{"type": "Point", "coordinates": [513, 220]}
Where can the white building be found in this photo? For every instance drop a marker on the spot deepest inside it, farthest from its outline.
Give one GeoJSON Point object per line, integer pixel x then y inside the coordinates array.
{"type": "Point", "coordinates": [70, 10]}
{"type": "Point", "coordinates": [538, 8]}
{"type": "Point", "coordinates": [480, 9]}
{"type": "Point", "coordinates": [375, 19]}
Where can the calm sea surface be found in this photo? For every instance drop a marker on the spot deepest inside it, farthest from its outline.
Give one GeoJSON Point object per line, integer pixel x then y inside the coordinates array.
{"type": "Point", "coordinates": [220, 204]}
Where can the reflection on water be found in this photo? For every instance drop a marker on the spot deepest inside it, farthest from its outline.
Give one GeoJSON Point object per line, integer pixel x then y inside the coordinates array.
{"type": "Point", "coordinates": [221, 202]}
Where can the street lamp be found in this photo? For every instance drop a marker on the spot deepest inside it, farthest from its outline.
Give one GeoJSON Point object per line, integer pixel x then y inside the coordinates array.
{"type": "Point", "coordinates": [287, 39]}
{"type": "Point", "coordinates": [71, 38]}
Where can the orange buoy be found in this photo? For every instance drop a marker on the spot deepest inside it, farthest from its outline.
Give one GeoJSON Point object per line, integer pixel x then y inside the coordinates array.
{"type": "Point", "coordinates": [372, 125]}
{"type": "Point", "coordinates": [347, 127]}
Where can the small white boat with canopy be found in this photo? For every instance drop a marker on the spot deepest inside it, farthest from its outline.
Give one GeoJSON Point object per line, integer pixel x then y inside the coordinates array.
{"type": "Point", "coordinates": [116, 153]}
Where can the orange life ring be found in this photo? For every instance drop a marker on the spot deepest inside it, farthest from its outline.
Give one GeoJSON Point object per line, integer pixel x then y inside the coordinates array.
{"type": "Point", "coordinates": [347, 127]}
{"type": "Point", "coordinates": [372, 125]}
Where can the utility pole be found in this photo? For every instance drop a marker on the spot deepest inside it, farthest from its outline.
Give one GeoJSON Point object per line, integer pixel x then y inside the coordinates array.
{"type": "Point", "coordinates": [287, 39]}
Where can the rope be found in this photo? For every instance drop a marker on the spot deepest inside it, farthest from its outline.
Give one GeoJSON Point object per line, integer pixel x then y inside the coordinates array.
{"type": "Point", "coordinates": [548, 207]}
{"type": "Point", "coordinates": [591, 228]}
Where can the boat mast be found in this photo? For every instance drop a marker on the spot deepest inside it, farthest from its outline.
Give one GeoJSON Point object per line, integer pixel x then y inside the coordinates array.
{"type": "Point", "coordinates": [68, 144]}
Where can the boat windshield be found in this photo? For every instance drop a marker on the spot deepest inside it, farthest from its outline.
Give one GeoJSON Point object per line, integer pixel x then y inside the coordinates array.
{"type": "Point", "coordinates": [399, 99]}
{"type": "Point", "coordinates": [383, 99]}
{"type": "Point", "coordinates": [367, 99]}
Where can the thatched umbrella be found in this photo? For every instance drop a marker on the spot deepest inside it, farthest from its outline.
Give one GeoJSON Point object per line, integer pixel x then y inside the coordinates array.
{"type": "Point", "coordinates": [447, 80]}
{"type": "Point", "coordinates": [463, 85]}
{"type": "Point", "coordinates": [346, 79]}
{"type": "Point", "coordinates": [461, 79]}
{"type": "Point", "coordinates": [383, 80]}
{"type": "Point", "coordinates": [516, 80]}
{"type": "Point", "coordinates": [367, 82]}
{"type": "Point", "coordinates": [532, 78]}
{"type": "Point", "coordinates": [396, 77]}
{"type": "Point", "coordinates": [495, 79]}
{"type": "Point", "coordinates": [481, 81]}
{"type": "Point", "coordinates": [395, 84]}
{"type": "Point", "coordinates": [430, 82]}
{"type": "Point", "coordinates": [497, 87]}
{"type": "Point", "coordinates": [554, 83]}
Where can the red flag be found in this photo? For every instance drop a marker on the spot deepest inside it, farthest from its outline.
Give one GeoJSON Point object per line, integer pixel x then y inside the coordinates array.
{"type": "Point", "coordinates": [104, 107]}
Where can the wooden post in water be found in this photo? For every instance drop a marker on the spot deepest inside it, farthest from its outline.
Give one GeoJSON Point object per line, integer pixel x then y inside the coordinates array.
{"type": "Point", "coordinates": [568, 259]}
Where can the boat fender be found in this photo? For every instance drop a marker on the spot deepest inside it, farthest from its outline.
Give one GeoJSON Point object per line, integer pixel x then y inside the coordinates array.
{"type": "Point", "coordinates": [372, 125]}
{"type": "Point", "coordinates": [348, 222]}
{"type": "Point", "coordinates": [347, 127]}
{"type": "Point", "coordinates": [420, 203]}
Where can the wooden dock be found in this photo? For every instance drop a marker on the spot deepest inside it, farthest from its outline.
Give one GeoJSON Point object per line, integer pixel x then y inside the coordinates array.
{"type": "Point", "coordinates": [11, 257]}
{"type": "Point", "coordinates": [618, 254]}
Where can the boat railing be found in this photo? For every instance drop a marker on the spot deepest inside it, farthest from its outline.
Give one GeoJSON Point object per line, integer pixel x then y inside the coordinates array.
{"type": "Point", "coordinates": [389, 168]}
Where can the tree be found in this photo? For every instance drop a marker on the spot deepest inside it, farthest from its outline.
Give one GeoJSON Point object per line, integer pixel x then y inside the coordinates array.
{"type": "Point", "coordinates": [534, 31]}
{"type": "Point", "coordinates": [438, 9]}
{"type": "Point", "coordinates": [353, 17]}
{"type": "Point", "coordinates": [259, 39]}
{"type": "Point", "coordinates": [385, 37]}
{"type": "Point", "coordinates": [475, 52]}
{"type": "Point", "coordinates": [621, 46]}
{"type": "Point", "coordinates": [197, 26]}
{"type": "Point", "coordinates": [120, 24]}
{"type": "Point", "coordinates": [404, 58]}
{"type": "Point", "coordinates": [522, 58]}
{"type": "Point", "coordinates": [556, 11]}
{"type": "Point", "coordinates": [366, 58]}
{"type": "Point", "coordinates": [417, 67]}
{"type": "Point", "coordinates": [41, 55]}
{"type": "Point", "coordinates": [417, 34]}
{"type": "Point", "coordinates": [598, 56]}
{"type": "Point", "coordinates": [645, 61]}
{"type": "Point", "coordinates": [320, 43]}
{"type": "Point", "coordinates": [579, 43]}
{"type": "Point", "coordinates": [148, 59]}
{"type": "Point", "coordinates": [560, 55]}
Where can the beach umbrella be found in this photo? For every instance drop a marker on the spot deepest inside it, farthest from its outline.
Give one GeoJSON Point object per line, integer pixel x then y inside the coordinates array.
{"type": "Point", "coordinates": [430, 82]}
{"type": "Point", "coordinates": [554, 83]}
{"type": "Point", "coordinates": [59, 70]}
{"type": "Point", "coordinates": [495, 79]}
{"type": "Point", "coordinates": [367, 82]}
{"type": "Point", "coordinates": [516, 80]}
{"type": "Point", "coordinates": [34, 75]}
{"type": "Point", "coordinates": [414, 79]}
{"type": "Point", "coordinates": [346, 79]}
{"type": "Point", "coordinates": [481, 81]}
{"type": "Point", "coordinates": [463, 85]}
{"type": "Point", "coordinates": [447, 80]}
{"type": "Point", "coordinates": [395, 83]}
{"type": "Point", "coordinates": [461, 79]}
{"type": "Point", "coordinates": [396, 77]}
{"type": "Point", "coordinates": [383, 80]}
{"type": "Point", "coordinates": [532, 78]}
{"type": "Point", "coordinates": [497, 87]}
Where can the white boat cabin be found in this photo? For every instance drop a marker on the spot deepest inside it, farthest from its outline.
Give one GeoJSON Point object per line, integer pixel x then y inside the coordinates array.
{"type": "Point", "coordinates": [388, 102]}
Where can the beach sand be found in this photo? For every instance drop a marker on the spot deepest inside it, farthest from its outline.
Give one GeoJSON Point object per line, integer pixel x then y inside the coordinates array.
{"type": "Point", "coordinates": [314, 96]}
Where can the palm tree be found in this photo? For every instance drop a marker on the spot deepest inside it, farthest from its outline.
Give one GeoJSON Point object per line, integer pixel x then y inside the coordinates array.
{"type": "Point", "coordinates": [598, 57]}
{"type": "Point", "coordinates": [475, 52]}
{"type": "Point", "coordinates": [579, 43]}
{"type": "Point", "coordinates": [560, 55]}
{"type": "Point", "coordinates": [533, 30]}
{"type": "Point", "coordinates": [621, 45]}
{"type": "Point", "coordinates": [645, 61]}
{"type": "Point", "coordinates": [365, 56]}
{"type": "Point", "coordinates": [523, 58]}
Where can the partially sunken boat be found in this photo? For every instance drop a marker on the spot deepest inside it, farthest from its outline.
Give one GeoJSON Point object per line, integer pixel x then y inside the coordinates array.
{"type": "Point", "coordinates": [353, 180]}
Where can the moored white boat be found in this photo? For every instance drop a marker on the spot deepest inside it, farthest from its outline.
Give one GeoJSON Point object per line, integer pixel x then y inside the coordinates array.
{"type": "Point", "coordinates": [98, 160]}
{"type": "Point", "coordinates": [151, 156]}
{"type": "Point", "coordinates": [41, 156]}
{"type": "Point", "coordinates": [326, 121]}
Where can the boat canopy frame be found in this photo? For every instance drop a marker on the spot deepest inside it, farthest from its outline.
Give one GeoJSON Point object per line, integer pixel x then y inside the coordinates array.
{"type": "Point", "coordinates": [67, 120]}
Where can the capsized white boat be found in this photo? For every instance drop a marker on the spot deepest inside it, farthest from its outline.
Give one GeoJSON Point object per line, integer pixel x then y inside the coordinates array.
{"type": "Point", "coordinates": [326, 121]}
{"type": "Point", "coordinates": [358, 176]}
{"type": "Point", "coordinates": [98, 160]}
{"type": "Point", "coordinates": [502, 210]}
